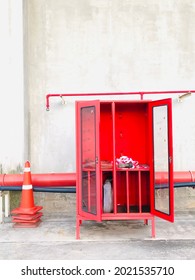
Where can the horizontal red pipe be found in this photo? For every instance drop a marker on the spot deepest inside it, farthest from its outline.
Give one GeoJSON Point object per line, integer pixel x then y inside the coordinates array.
{"type": "Point", "coordinates": [178, 177]}
{"type": "Point", "coordinates": [69, 179]}
{"type": "Point", "coordinates": [41, 180]}
{"type": "Point", "coordinates": [141, 93]}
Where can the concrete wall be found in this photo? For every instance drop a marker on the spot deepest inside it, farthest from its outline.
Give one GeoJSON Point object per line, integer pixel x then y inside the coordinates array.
{"type": "Point", "coordinates": [100, 46]}
{"type": "Point", "coordinates": [105, 45]}
{"type": "Point", "coordinates": [11, 83]}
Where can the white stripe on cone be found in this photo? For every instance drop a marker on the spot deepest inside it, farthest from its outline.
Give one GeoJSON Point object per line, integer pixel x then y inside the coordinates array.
{"type": "Point", "coordinates": [27, 187]}
{"type": "Point", "coordinates": [27, 169]}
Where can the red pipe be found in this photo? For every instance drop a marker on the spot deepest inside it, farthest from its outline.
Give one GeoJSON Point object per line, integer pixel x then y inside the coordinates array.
{"type": "Point", "coordinates": [114, 93]}
{"type": "Point", "coordinates": [41, 180]}
{"type": "Point", "coordinates": [178, 177]}
{"type": "Point", "coordinates": [69, 179]}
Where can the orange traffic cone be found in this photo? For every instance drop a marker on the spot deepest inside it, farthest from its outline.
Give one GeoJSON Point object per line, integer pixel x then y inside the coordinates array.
{"type": "Point", "coordinates": [26, 217]}
{"type": "Point", "coordinates": [27, 201]}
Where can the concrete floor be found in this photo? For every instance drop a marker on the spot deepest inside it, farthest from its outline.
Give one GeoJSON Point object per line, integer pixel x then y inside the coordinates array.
{"type": "Point", "coordinates": [54, 239]}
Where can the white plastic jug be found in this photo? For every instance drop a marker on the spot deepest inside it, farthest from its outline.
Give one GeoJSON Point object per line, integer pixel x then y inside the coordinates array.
{"type": "Point", "coordinates": [108, 197]}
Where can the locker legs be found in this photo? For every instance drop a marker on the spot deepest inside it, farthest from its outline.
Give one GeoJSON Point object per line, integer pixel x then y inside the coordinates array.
{"type": "Point", "coordinates": [146, 222]}
{"type": "Point", "coordinates": [153, 227]}
{"type": "Point", "coordinates": [78, 224]}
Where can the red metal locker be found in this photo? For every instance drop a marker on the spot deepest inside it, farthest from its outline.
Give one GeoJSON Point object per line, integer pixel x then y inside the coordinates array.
{"type": "Point", "coordinates": [108, 131]}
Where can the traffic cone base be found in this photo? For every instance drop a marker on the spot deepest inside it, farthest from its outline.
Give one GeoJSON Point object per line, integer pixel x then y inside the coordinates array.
{"type": "Point", "coordinates": [31, 211]}
{"type": "Point", "coordinates": [27, 217]}
{"type": "Point", "coordinates": [27, 225]}
{"type": "Point", "coordinates": [27, 222]}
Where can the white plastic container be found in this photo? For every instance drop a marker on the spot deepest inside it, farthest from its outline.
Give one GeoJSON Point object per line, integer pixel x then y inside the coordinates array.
{"type": "Point", "coordinates": [108, 197]}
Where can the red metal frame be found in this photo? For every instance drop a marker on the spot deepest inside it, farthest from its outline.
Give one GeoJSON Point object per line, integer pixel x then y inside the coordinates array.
{"type": "Point", "coordinates": [165, 216]}
{"type": "Point", "coordinates": [81, 214]}
{"type": "Point", "coordinates": [115, 120]}
{"type": "Point", "coordinates": [114, 157]}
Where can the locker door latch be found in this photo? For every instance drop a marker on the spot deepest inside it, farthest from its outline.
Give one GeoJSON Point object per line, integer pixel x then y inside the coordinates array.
{"type": "Point", "coordinates": [96, 160]}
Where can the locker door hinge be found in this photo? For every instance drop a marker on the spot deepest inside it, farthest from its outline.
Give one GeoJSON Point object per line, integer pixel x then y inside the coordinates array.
{"type": "Point", "coordinates": [96, 160]}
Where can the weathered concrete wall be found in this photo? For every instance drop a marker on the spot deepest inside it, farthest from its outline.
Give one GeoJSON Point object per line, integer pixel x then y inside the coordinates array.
{"type": "Point", "coordinates": [96, 46]}
{"type": "Point", "coordinates": [11, 82]}
{"type": "Point", "coordinates": [104, 45]}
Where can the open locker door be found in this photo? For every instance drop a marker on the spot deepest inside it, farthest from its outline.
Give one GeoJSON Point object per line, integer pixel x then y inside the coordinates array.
{"type": "Point", "coordinates": [162, 189]}
{"type": "Point", "coordinates": [88, 166]}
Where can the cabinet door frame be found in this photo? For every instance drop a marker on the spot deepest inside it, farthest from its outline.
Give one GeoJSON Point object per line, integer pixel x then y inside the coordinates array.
{"type": "Point", "coordinates": [162, 214]}
{"type": "Point", "coordinates": [96, 105]}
